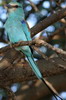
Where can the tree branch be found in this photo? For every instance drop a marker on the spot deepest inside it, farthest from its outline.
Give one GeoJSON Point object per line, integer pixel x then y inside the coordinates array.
{"type": "Point", "coordinates": [18, 72]}
{"type": "Point", "coordinates": [36, 42]}
{"type": "Point", "coordinates": [39, 90]}
{"type": "Point", "coordinates": [48, 21]}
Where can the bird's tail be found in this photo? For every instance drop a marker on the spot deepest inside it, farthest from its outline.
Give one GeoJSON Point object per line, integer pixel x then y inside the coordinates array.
{"type": "Point", "coordinates": [39, 75]}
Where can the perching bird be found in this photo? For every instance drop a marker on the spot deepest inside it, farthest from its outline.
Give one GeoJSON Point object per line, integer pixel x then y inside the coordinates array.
{"type": "Point", "coordinates": [17, 30]}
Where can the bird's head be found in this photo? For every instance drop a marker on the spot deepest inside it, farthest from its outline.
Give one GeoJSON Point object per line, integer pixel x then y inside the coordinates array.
{"type": "Point", "coordinates": [13, 6]}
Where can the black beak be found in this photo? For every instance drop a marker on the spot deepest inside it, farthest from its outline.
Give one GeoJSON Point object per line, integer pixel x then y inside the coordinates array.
{"type": "Point", "coordinates": [8, 6]}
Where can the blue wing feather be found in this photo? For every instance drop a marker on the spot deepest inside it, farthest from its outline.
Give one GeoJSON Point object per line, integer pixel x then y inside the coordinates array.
{"type": "Point", "coordinates": [26, 30]}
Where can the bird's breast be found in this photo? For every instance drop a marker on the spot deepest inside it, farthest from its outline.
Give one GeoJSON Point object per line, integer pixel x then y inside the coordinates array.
{"type": "Point", "coordinates": [15, 31]}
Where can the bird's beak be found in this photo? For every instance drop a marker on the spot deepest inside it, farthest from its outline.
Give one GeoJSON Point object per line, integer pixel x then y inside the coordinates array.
{"type": "Point", "coordinates": [7, 6]}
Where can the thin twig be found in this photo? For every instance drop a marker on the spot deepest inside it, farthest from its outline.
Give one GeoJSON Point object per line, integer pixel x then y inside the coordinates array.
{"type": "Point", "coordinates": [36, 42]}
{"type": "Point", "coordinates": [61, 57]}
{"type": "Point", "coordinates": [33, 5]}
{"type": "Point", "coordinates": [57, 50]}
{"type": "Point", "coordinates": [41, 53]}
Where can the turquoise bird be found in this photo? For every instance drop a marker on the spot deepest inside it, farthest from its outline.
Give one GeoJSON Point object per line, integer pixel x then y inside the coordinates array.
{"type": "Point", "coordinates": [17, 30]}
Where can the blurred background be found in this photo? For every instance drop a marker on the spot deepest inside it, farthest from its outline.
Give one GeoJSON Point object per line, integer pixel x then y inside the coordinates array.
{"type": "Point", "coordinates": [44, 9]}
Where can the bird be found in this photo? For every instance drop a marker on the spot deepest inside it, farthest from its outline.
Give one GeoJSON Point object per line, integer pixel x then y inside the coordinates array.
{"type": "Point", "coordinates": [17, 30]}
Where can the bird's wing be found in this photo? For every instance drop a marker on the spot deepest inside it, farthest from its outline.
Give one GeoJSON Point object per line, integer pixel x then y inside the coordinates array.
{"type": "Point", "coordinates": [26, 30]}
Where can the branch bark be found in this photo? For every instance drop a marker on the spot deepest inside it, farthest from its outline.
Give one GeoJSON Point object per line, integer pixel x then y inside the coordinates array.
{"type": "Point", "coordinates": [36, 42]}
{"type": "Point", "coordinates": [18, 72]}
{"type": "Point", "coordinates": [48, 21]}
{"type": "Point", "coordinates": [39, 90]}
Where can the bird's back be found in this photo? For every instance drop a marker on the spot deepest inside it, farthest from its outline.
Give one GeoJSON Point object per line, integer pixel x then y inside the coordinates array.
{"type": "Point", "coordinates": [15, 32]}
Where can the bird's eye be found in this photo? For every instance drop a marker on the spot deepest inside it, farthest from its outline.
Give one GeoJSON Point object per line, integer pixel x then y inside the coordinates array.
{"type": "Point", "coordinates": [16, 6]}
